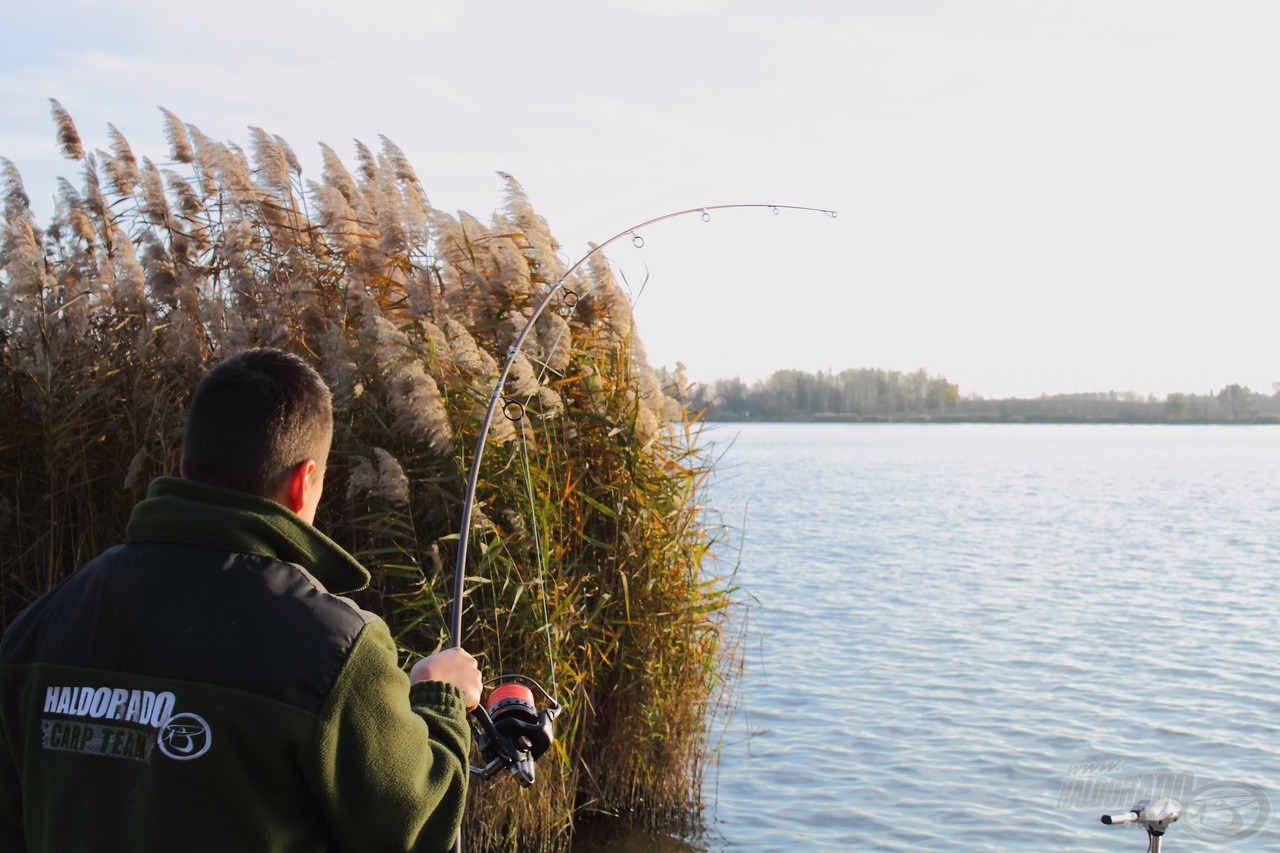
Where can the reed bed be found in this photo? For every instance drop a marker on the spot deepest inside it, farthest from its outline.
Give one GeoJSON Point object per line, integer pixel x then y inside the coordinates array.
{"type": "Point", "coordinates": [589, 543]}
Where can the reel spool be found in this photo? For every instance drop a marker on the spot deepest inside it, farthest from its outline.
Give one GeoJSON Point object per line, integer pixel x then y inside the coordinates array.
{"type": "Point", "coordinates": [510, 732]}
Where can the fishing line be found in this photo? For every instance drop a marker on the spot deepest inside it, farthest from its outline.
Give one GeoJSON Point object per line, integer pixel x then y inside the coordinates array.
{"type": "Point", "coordinates": [537, 550]}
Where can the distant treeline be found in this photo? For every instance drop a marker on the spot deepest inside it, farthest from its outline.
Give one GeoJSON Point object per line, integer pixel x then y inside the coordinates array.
{"type": "Point", "coordinates": [868, 394]}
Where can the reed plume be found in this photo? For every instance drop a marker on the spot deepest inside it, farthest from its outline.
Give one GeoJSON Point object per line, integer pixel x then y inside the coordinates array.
{"type": "Point", "coordinates": [179, 143]}
{"type": "Point", "coordinates": [121, 165]}
{"type": "Point", "coordinates": [68, 136]}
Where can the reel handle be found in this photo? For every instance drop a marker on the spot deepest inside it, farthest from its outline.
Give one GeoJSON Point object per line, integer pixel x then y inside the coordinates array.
{"type": "Point", "coordinates": [510, 732]}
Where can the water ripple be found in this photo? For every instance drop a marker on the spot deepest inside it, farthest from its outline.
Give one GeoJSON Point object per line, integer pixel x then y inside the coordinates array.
{"type": "Point", "coordinates": [951, 618]}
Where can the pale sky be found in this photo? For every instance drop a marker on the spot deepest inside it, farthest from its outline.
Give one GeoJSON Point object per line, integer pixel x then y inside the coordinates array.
{"type": "Point", "coordinates": [1035, 196]}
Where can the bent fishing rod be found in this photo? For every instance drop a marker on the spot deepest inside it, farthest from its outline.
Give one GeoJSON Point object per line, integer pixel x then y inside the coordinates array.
{"type": "Point", "coordinates": [511, 732]}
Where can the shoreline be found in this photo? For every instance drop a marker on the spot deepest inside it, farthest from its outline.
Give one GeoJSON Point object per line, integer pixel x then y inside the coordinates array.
{"type": "Point", "coordinates": [1260, 420]}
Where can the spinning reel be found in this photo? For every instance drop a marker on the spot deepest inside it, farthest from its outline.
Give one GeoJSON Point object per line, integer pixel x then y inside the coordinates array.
{"type": "Point", "coordinates": [510, 731]}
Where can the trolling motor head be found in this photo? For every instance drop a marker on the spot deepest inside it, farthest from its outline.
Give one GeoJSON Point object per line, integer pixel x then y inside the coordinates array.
{"type": "Point", "coordinates": [1154, 817]}
{"type": "Point", "coordinates": [511, 733]}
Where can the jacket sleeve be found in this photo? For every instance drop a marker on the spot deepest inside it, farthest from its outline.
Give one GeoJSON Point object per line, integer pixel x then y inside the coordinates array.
{"type": "Point", "coordinates": [389, 764]}
{"type": "Point", "coordinates": [11, 826]}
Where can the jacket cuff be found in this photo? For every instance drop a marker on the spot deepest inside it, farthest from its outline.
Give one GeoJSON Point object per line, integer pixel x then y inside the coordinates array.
{"type": "Point", "coordinates": [441, 696]}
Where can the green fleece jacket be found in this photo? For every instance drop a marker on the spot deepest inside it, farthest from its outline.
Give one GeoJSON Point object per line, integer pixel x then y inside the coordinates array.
{"type": "Point", "coordinates": [203, 688]}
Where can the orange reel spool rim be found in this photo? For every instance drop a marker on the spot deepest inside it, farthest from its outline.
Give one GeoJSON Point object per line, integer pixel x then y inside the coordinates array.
{"type": "Point", "coordinates": [509, 692]}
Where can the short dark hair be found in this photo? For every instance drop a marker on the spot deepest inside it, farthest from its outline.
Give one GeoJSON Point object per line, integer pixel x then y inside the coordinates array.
{"type": "Point", "coordinates": [253, 418]}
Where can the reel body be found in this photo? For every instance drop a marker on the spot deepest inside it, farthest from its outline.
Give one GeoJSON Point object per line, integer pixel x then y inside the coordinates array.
{"type": "Point", "coordinates": [510, 732]}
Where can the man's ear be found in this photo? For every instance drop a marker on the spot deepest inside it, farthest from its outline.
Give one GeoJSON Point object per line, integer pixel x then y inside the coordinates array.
{"type": "Point", "coordinates": [301, 483]}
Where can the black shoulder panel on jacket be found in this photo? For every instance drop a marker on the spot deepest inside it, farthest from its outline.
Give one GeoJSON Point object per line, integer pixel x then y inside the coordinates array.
{"type": "Point", "coordinates": [194, 613]}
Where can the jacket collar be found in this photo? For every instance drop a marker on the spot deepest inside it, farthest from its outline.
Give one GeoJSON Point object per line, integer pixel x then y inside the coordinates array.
{"type": "Point", "coordinates": [189, 511]}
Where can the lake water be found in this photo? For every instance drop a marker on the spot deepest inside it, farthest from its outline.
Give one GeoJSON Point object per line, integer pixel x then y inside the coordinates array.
{"type": "Point", "coordinates": [948, 620]}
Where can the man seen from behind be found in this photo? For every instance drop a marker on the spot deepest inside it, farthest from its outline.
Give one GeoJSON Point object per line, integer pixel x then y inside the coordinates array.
{"type": "Point", "coordinates": [204, 686]}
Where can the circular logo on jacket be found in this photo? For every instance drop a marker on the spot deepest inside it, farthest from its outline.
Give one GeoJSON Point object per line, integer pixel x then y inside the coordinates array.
{"type": "Point", "coordinates": [184, 737]}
